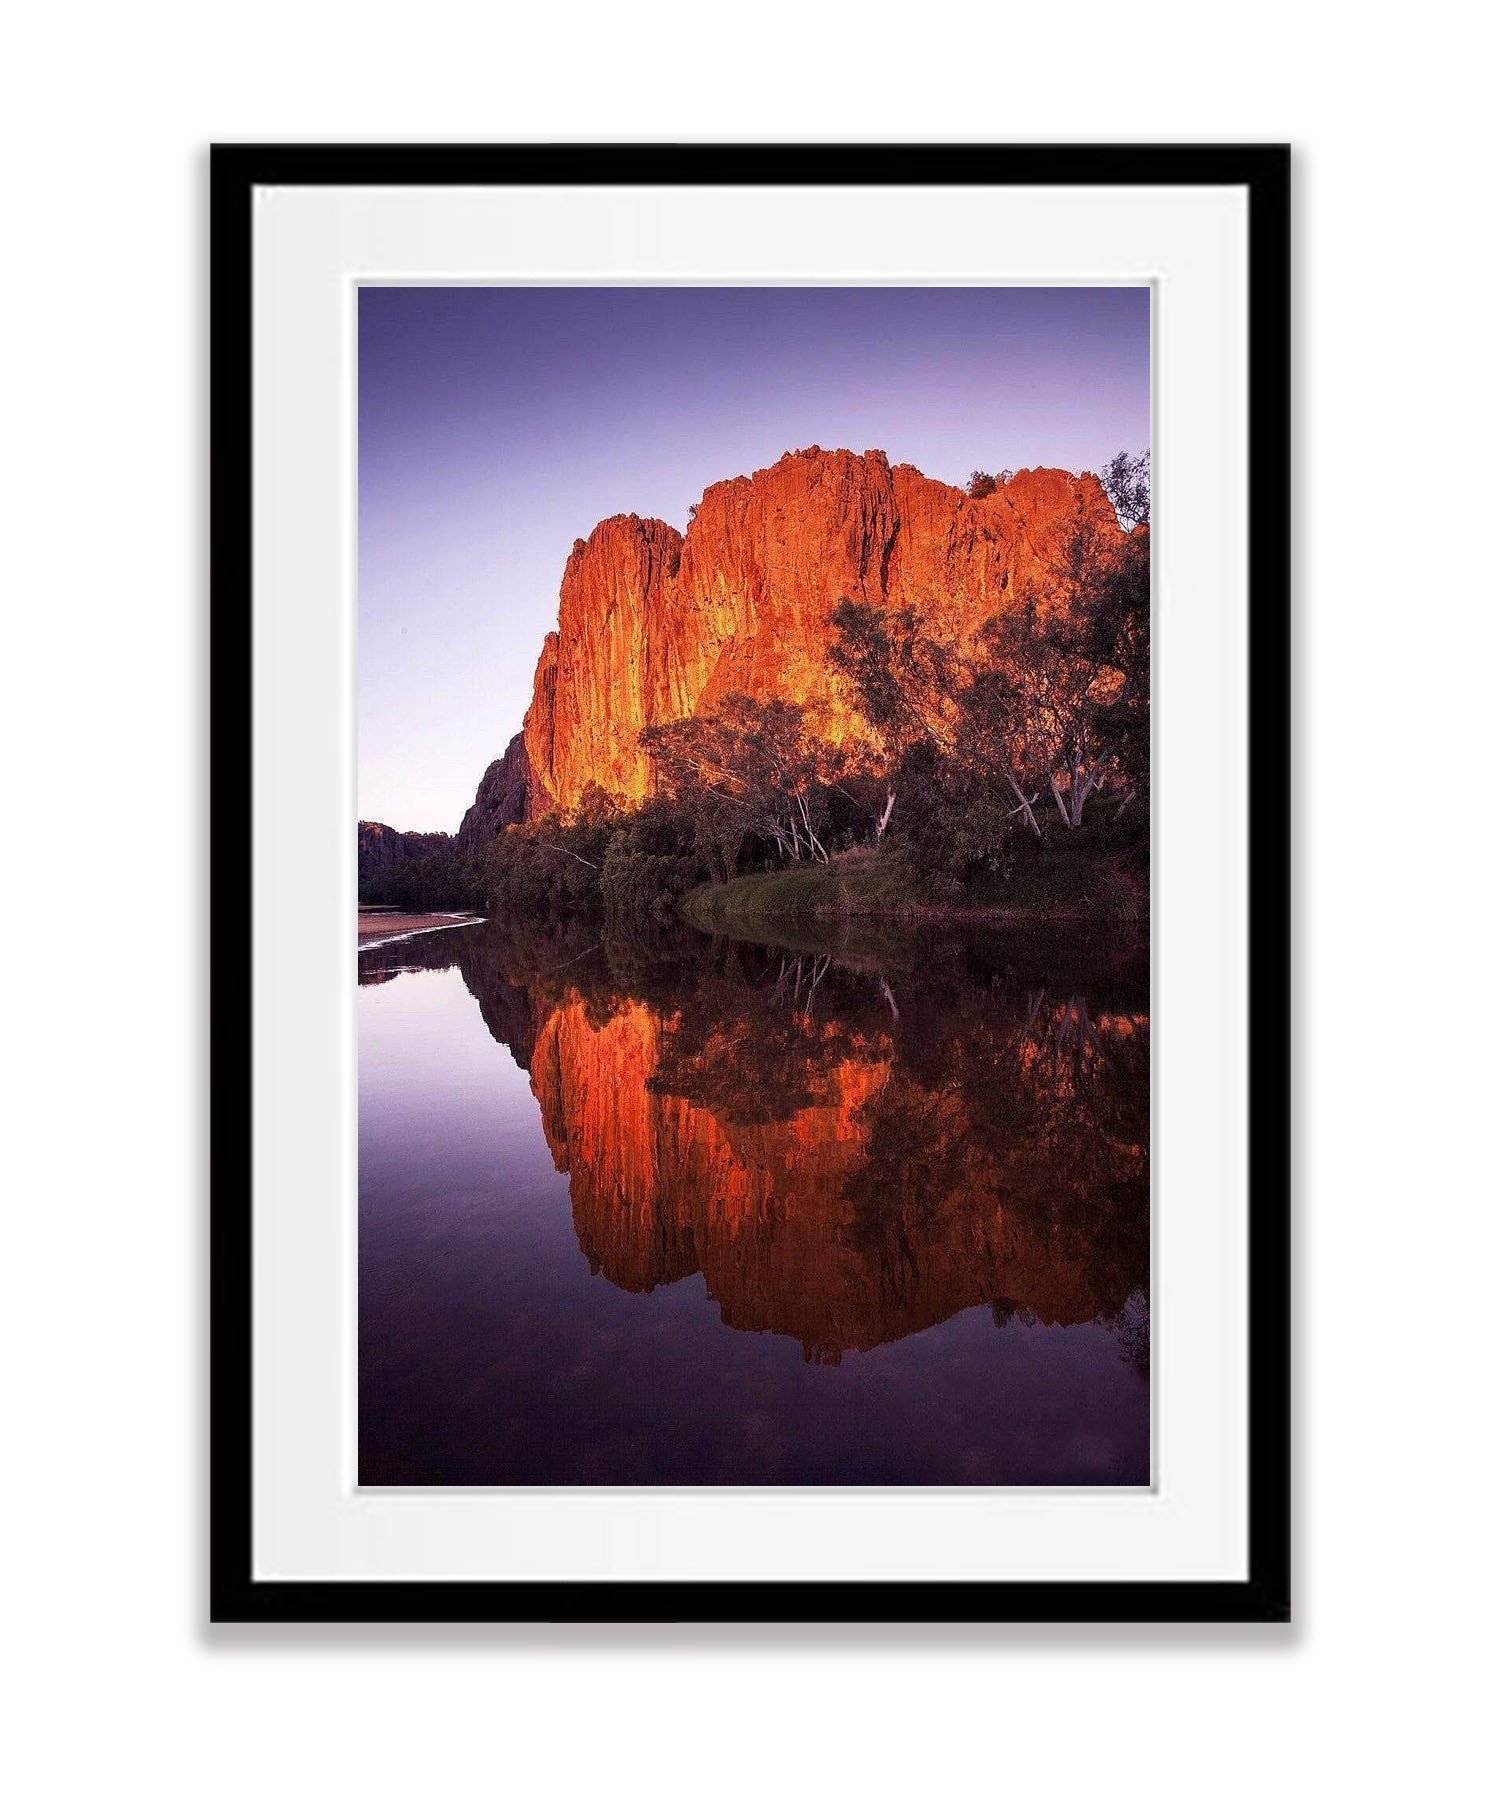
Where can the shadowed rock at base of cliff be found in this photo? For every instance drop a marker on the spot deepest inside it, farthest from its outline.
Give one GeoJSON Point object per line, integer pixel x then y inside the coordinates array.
{"type": "Point", "coordinates": [503, 799]}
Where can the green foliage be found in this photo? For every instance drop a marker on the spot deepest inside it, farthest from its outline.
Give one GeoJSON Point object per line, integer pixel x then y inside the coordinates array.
{"type": "Point", "coordinates": [601, 859]}
{"type": "Point", "coordinates": [746, 769]}
{"type": "Point", "coordinates": [639, 884]}
{"type": "Point", "coordinates": [902, 675]}
{"type": "Point", "coordinates": [950, 822]}
{"type": "Point", "coordinates": [551, 865]}
{"type": "Point", "coordinates": [442, 882]}
{"type": "Point", "coordinates": [1126, 480]}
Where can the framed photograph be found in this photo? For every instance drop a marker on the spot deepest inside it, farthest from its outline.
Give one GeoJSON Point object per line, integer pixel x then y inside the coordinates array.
{"type": "Point", "coordinates": [781, 656]}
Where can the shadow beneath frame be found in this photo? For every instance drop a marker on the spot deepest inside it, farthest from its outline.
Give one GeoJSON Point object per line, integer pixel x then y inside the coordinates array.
{"type": "Point", "coordinates": [777, 1640]}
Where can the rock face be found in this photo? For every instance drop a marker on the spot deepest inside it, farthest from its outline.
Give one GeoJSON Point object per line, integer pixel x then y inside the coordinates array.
{"type": "Point", "coordinates": [502, 799]}
{"type": "Point", "coordinates": [382, 847]}
{"type": "Point", "coordinates": [653, 626]}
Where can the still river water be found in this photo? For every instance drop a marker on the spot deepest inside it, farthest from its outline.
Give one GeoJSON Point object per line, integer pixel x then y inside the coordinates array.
{"type": "Point", "coordinates": [673, 1209]}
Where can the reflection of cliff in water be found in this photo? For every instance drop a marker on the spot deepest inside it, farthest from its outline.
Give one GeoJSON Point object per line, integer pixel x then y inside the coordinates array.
{"type": "Point", "coordinates": [851, 1146]}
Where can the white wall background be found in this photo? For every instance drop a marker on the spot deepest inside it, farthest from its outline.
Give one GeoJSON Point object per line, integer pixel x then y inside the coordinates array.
{"type": "Point", "coordinates": [1379, 1687]}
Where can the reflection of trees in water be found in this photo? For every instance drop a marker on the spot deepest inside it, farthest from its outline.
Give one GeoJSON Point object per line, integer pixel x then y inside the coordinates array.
{"type": "Point", "coordinates": [1132, 1327]}
{"type": "Point", "coordinates": [742, 1040]}
{"type": "Point", "coordinates": [850, 1144]}
{"type": "Point", "coordinates": [917, 1157]}
{"type": "Point", "coordinates": [1033, 1113]}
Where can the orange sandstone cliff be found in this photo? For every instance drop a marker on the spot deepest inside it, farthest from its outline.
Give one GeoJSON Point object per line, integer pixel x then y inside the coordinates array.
{"type": "Point", "coordinates": [654, 625]}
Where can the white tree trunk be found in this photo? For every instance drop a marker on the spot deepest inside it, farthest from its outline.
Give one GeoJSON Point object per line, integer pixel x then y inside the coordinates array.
{"type": "Point", "coordinates": [885, 817]}
{"type": "Point", "coordinates": [1025, 804]}
{"type": "Point", "coordinates": [1061, 803]}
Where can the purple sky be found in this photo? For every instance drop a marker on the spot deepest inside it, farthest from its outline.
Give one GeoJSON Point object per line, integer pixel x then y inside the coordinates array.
{"type": "Point", "coordinates": [498, 424]}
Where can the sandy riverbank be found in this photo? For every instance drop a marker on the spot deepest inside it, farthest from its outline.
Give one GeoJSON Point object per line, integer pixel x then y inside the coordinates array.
{"type": "Point", "coordinates": [386, 927]}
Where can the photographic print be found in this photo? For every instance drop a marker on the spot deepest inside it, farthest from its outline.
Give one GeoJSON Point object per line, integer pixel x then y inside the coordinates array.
{"type": "Point", "coordinates": [754, 1026]}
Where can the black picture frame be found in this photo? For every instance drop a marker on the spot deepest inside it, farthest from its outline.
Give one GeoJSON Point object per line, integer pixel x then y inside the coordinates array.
{"type": "Point", "coordinates": [1263, 171]}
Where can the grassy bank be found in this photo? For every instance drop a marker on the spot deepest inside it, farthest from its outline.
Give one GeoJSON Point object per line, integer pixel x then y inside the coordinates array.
{"type": "Point", "coordinates": [1054, 886]}
{"type": "Point", "coordinates": [845, 888]}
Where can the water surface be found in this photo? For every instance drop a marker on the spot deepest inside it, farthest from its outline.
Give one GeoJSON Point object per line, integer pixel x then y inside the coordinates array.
{"type": "Point", "coordinates": [660, 1208]}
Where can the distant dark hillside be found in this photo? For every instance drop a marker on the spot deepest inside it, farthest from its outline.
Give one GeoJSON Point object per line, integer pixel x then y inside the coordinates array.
{"type": "Point", "coordinates": [383, 850]}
